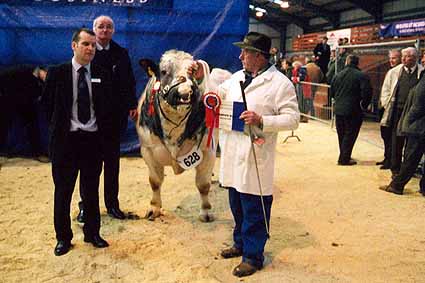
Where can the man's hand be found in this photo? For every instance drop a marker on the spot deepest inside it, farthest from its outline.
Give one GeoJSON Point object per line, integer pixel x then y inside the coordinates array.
{"type": "Point", "coordinates": [251, 118]}
{"type": "Point", "coordinates": [133, 114]}
{"type": "Point", "coordinates": [196, 70]}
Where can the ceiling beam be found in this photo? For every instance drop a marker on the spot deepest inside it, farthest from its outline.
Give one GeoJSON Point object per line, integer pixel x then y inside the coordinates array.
{"type": "Point", "coordinates": [331, 17]}
{"type": "Point", "coordinates": [374, 8]}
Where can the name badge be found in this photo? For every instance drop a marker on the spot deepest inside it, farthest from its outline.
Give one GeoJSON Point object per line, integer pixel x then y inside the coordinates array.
{"type": "Point", "coordinates": [190, 160]}
{"type": "Point", "coordinates": [95, 80]}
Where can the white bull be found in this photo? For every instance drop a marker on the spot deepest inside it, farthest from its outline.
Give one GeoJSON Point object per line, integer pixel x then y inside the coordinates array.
{"type": "Point", "coordinates": [171, 127]}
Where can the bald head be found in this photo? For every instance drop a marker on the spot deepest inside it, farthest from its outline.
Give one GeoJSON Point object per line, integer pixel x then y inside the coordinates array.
{"type": "Point", "coordinates": [103, 27]}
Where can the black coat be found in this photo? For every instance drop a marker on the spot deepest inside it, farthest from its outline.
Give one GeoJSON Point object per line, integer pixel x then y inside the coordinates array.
{"type": "Point", "coordinates": [352, 91]}
{"type": "Point", "coordinates": [323, 53]}
{"type": "Point", "coordinates": [58, 95]}
{"type": "Point", "coordinates": [412, 121]}
{"type": "Point", "coordinates": [117, 62]}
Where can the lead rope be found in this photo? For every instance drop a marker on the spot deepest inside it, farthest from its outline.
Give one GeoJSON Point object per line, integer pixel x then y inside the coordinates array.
{"type": "Point", "coordinates": [256, 164]}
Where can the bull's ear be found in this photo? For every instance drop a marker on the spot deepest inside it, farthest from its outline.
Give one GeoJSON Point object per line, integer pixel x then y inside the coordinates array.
{"type": "Point", "coordinates": [150, 67]}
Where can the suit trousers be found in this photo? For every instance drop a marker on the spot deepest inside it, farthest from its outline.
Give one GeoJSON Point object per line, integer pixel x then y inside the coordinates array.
{"type": "Point", "coordinates": [348, 128]}
{"type": "Point", "coordinates": [249, 234]}
{"type": "Point", "coordinates": [397, 142]}
{"type": "Point", "coordinates": [81, 155]}
{"type": "Point", "coordinates": [415, 148]}
{"type": "Point", "coordinates": [386, 135]}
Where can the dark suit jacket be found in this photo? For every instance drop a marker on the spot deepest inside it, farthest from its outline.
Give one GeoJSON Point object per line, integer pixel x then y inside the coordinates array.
{"type": "Point", "coordinates": [117, 62]}
{"type": "Point", "coordinates": [58, 96]}
{"type": "Point", "coordinates": [352, 91]}
{"type": "Point", "coordinates": [324, 54]}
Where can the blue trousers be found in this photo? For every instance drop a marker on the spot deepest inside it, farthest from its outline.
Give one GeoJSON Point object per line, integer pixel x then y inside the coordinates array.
{"type": "Point", "coordinates": [250, 233]}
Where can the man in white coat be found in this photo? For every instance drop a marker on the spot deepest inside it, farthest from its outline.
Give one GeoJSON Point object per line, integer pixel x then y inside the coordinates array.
{"type": "Point", "coordinates": [271, 107]}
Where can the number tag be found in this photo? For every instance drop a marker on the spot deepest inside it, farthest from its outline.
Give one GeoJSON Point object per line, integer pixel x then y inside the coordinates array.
{"type": "Point", "coordinates": [191, 159]}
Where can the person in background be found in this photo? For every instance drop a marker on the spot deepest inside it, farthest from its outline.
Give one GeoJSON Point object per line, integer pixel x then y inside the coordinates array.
{"type": "Point", "coordinates": [275, 55]}
{"type": "Point", "coordinates": [394, 59]}
{"type": "Point", "coordinates": [314, 75]}
{"type": "Point", "coordinates": [20, 92]}
{"type": "Point", "coordinates": [352, 92]}
{"type": "Point", "coordinates": [286, 68]}
{"type": "Point", "coordinates": [299, 75]}
{"type": "Point", "coordinates": [271, 107]}
{"type": "Point", "coordinates": [115, 59]}
{"type": "Point", "coordinates": [397, 85]}
{"type": "Point", "coordinates": [322, 53]}
{"type": "Point", "coordinates": [80, 108]}
{"type": "Point", "coordinates": [411, 125]}
{"type": "Point", "coordinates": [423, 60]}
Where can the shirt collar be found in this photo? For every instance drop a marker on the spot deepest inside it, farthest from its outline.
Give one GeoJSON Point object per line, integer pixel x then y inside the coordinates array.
{"type": "Point", "coordinates": [77, 65]}
{"type": "Point", "coordinates": [259, 72]}
{"type": "Point", "coordinates": [100, 47]}
{"type": "Point", "coordinates": [412, 69]}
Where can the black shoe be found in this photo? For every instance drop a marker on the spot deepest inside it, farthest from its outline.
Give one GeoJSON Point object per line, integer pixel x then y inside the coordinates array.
{"type": "Point", "coordinates": [116, 213]}
{"type": "Point", "coordinates": [244, 269]}
{"type": "Point", "coordinates": [62, 247]}
{"type": "Point", "coordinates": [231, 252]}
{"type": "Point", "coordinates": [349, 163]}
{"type": "Point", "coordinates": [390, 189]}
{"type": "Point", "coordinates": [42, 158]}
{"type": "Point", "coordinates": [80, 217]}
{"type": "Point", "coordinates": [385, 166]}
{"type": "Point", "coordinates": [96, 241]}
{"type": "Point", "coordinates": [380, 162]}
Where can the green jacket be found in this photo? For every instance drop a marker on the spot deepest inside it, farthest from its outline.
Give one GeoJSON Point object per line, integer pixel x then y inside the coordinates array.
{"type": "Point", "coordinates": [340, 66]}
{"type": "Point", "coordinates": [351, 90]}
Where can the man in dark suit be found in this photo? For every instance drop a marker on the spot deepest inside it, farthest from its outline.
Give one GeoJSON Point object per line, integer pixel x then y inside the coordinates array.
{"type": "Point", "coordinates": [322, 53]}
{"type": "Point", "coordinates": [20, 90]}
{"type": "Point", "coordinates": [80, 109]}
{"type": "Point", "coordinates": [115, 59]}
{"type": "Point", "coordinates": [352, 92]}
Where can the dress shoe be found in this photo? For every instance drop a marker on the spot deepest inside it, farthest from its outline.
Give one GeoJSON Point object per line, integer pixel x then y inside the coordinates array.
{"type": "Point", "coordinates": [349, 163]}
{"type": "Point", "coordinates": [390, 189]}
{"type": "Point", "coordinates": [62, 247]}
{"type": "Point", "coordinates": [380, 162]}
{"type": "Point", "coordinates": [116, 213]}
{"type": "Point", "coordinates": [80, 216]}
{"type": "Point", "coordinates": [231, 252]}
{"type": "Point", "coordinates": [42, 159]}
{"type": "Point", "coordinates": [385, 166]}
{"type": "Point", "coordinates": [244, 269]}
{"type": "Point", "coordinates": [96, 241]}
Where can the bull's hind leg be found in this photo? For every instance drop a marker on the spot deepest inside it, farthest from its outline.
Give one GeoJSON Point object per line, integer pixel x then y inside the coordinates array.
{"type": "Point", "coordinates": [156, 177]}
{"type": "Point", "coordinates": [203, 183]}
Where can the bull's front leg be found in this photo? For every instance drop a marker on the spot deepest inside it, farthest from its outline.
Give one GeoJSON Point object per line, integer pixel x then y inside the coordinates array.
{"type": "Point", "coordinates": [203, 183]}
{"type": "Point", "coordinates": [156, 177]}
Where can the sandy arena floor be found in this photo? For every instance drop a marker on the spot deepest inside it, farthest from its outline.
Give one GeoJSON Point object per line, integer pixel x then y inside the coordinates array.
{"type": "Point", "coordinates": [329, 224]}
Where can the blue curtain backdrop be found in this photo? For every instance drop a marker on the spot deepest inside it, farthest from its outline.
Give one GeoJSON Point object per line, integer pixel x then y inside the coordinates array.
{"type": "Point", "coordinates": [39, 32]}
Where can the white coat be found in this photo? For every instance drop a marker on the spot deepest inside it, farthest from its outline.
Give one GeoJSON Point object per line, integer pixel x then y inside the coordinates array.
{"type": "Point", "coordinates": [271, 95]}
{"type": "Point", "coordinates": [389, 88]}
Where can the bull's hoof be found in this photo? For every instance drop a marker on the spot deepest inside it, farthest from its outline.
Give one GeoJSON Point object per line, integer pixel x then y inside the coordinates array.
{"type": "Point", "coordinates": [206, 217]}
{"type": "Point", "coordinates": [152, 214]}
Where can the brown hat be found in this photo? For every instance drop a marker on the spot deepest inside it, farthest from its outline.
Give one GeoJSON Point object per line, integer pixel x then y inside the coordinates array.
{"type": "Point", "coordinates": [255, 41]}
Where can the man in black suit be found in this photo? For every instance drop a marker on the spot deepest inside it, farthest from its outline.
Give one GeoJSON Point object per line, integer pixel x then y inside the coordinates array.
{"type": "Point", "coordinates": [322, 53]}
{"type": "Point", "coordinates": [115, 59]}
{"type": "Point", "coordinates": [20, 90]}
{"type": "Point", "coordinates": [352, 92]}
{"type": "Point", "coordinates": [80, 110]}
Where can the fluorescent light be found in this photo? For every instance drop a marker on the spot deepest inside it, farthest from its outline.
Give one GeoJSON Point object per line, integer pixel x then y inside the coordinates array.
{"type": "Point", "coordinates": [260, 10]}
{"type": "Point", "coordinates": [284, 5]}
{"type": "Point", "coordinates": [251, 7]}
{"type": "Point", "coordinates": [259, 14]}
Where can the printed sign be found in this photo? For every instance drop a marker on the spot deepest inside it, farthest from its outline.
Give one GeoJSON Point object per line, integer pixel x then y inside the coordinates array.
{"type": "Point", "coordinates": [229, 116]}
{"type": "Point", "coordinates": [334, 35]}
{"type": "Point", "coordinates": [191, 159]}
{"type": "Point", "coordinates": [127, 3]}
{"type": "Point", "coordinates": [403, 28]}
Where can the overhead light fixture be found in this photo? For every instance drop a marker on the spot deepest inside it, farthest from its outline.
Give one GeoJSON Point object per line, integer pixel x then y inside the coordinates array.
{"type": "Point", "coordinates": [259, 14]}
{"type": "Point", "coordinates": [284, 4]}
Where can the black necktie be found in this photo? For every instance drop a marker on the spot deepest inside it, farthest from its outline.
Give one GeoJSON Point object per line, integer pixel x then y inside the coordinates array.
{"type": "Point", "coordinates": [248, 80]}
{"type": "Point", "coordinates": [409, 71]}
{"type": "Point", "coordinates": [83, 99]}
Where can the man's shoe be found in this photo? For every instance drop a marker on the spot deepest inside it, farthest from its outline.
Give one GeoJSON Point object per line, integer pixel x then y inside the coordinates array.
{"type": "Point", "coordinates": [80, 216]}
{"type": "Point", "coordinates": [385, 166]}
{"type": "Point", "coordinates": [349, 163]}
{"type": "Point", "coordinates": [42, 159]}
{"type": "Point", "coordinates": [116, 213]}
{"type": "Point", "coordinates": [231, 252]}
{"type": "Point", "coordinates": [244, 269]}
{"type": "Point", "coordinates": [96, 241]}
{"type": "Point", "coordinates": [62, 247]}
{"type": "Point", "coordinates": [380, 162]}
{"type": "Point", "coordinates": [390, 189]}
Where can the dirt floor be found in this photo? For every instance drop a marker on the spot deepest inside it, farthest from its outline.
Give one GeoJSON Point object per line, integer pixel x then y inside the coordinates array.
{"type": "Point", "coordinates": [329, 224]}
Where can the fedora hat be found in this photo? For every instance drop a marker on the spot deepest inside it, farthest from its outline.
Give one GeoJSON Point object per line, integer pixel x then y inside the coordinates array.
{"type": "Point", "coordinates": [255, 41]}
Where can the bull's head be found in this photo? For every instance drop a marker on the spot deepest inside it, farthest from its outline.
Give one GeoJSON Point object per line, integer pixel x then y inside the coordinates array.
{"type": "Point", "coordinates": [176, 87]}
